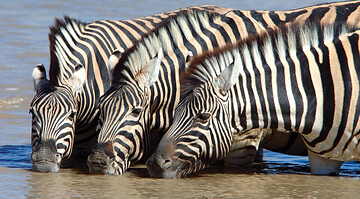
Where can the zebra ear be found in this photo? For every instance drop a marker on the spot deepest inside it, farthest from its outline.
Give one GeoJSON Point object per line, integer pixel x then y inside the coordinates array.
{"type": "Point", "coordinates": [229, 76]}
{"type": "Point", "coordinates": [150, 72]}
{"type": "Point", "coordinates": [77, 80]}
{"type": "Point", "coordinates": [188, 58]}
{"type": "Point", "coordinates": [113, 60]}
{"type": "Point", "coordinates": [39, 76]}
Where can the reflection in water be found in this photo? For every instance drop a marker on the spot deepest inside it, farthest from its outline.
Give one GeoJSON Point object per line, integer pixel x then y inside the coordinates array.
{"type": "Point", "coordinates": [15, 156]}
{"type": "Point", "coordinates": [68, 184]}
{"type": "Point", "coordinates": [281, 176]}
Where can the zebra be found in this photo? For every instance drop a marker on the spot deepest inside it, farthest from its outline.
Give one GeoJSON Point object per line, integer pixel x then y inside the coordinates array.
{"type": "Point", "coordinates": [64, 108]}
{"type": "Point", "coordinates": [134, 114]}
{"type": "Point", "coordinates": [303, 79]}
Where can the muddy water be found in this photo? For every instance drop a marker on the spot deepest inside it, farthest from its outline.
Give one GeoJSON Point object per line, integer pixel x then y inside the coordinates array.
{"type": "Point", "coordinates": [23, 44]}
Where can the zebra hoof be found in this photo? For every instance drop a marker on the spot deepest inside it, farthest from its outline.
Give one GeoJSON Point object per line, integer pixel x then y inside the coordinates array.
{"type": "Point", "coordinates": [323, 166]}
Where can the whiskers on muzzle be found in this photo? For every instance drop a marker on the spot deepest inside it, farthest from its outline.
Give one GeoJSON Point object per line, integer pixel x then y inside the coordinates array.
{"type": "Point", "coordinates": [102, 161]}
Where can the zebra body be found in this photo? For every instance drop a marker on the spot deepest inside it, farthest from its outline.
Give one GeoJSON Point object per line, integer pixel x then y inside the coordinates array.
{"type": "Point", "coordinates": [134, 113]}
{"type": "Point", "coordinates": [64, 120]}
{"type": "Point", "coordinates": [302, 78]}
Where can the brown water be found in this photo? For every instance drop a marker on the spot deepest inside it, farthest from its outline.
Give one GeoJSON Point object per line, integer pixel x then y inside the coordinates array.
{"type": "Point", "coordinates": [24, 43]}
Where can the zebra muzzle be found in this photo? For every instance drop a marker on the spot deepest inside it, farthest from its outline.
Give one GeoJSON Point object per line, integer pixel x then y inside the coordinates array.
{"type": "Point", "coordinates": [45, 158]}
{"type": "Point", "coordinates": [102, 159]}
{"type": "Point", "coordinates": [159, 165]}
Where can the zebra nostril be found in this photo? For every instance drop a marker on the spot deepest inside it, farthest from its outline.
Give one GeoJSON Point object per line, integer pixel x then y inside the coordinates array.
{"type": "Point", "coordinates": [58, 158]}
{"type": "Point", "coordinates": [166, 163]}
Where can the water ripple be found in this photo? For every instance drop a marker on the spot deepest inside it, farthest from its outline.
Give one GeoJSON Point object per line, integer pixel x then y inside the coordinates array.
{"type": "Point", "coordinates": [15, 156]}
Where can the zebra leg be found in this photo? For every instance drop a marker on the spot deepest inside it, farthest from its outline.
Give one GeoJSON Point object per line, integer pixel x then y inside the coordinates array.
{"type": "Point", "coordinates": [244, 149]}
{"type": "Point", "coordinates": [323, 166]}
{"type": "Point", "coordinates": [240, 158]}
{"type": "Point", "coordinates": [259, 156]}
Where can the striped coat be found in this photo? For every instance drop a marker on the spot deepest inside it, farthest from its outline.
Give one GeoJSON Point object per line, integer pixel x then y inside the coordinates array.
{"type": "Point", "coordinates": [136, 113]}
{"type": "Point", "coordinates": [64, 109]}
{"type": "Point", "coordinates": [303, 79]}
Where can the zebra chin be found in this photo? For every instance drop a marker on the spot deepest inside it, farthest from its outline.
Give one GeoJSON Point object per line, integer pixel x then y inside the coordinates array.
{"type": "Point", "coordinates": [45, 158]}
{"type": "Point", "coordinates": [102, 161]}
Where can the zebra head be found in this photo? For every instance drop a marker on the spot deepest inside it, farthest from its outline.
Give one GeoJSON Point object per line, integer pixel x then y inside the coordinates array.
{"type": "Point", "coordinates": [53, 112]}
{"type": "Point", "coordinates": [201, 130]}
{"type": "Point", "coordinates": [123, 121]}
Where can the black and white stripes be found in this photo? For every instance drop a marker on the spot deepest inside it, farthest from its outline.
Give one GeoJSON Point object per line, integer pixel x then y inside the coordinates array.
{"type": "Point", "coordinates": [88, 46]}
{"type": "Point", "coordinates": [300, 78]}
{"type": "Point", "coordinates": [126, 115]}
{"type": "Point", "coordinates": [64, 116]}
{"type": "Point", "coordinates": [176, 38]}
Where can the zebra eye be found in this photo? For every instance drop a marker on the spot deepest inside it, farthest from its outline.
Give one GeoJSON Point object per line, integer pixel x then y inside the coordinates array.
{"type": "Point", "coordinates": [204, 116]}
{"type": "Point", "coordinates": [136, 111]}
{"type": "Point", "coordinates": [72, 115]}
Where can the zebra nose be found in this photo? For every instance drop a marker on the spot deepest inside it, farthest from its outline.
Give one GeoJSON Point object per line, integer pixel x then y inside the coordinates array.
{"type": "Point", "coordinates": [101, 160]}
{"type": "Point", "coordinates": [165, 162]}
{"type": "Point", "coordinates": [45, 157]}
{"type": "Point", "coordinates": [158, 164]}
{"type": "Point", "coordinates": [161, 162]}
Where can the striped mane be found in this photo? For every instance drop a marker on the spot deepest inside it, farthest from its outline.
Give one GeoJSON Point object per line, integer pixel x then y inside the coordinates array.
{"type": "Point", "coordinates": [167, 35]}
{"type": "Point", "coordinates": [280, 42]}
{"type": "Point", "coordinates": [57, 32]}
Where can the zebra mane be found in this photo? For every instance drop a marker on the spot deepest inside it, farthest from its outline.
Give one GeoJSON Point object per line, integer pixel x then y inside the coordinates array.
{"type": "Point", "coordinates": [59, 35]}
{"type": "Point", "coordinates": [281, 42]}
{"type": "Point", "coordinates": [167, 35]}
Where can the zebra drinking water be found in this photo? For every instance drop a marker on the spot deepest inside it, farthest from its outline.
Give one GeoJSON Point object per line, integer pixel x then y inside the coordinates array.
{"type": "Point", "coordinates": [135, 114]}
{"type": "Point", "coordinates": [64, 109]}
{"type": "Point", "coordinates": [303, 79]}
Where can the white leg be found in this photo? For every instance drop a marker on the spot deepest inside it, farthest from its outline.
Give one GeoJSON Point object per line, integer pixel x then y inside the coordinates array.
{"type": "Point", "coordinates": [323, 166]}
